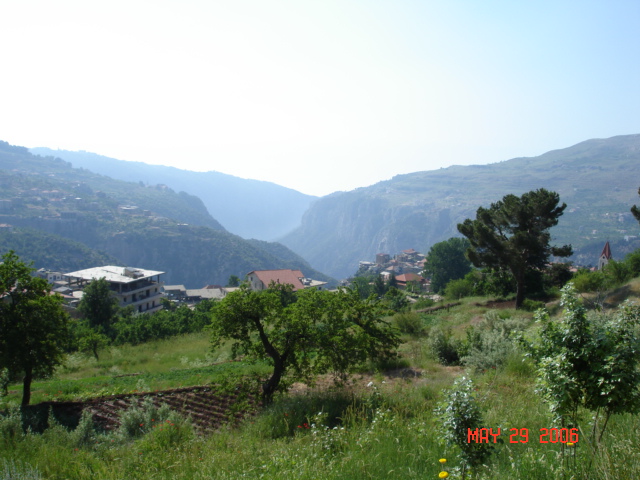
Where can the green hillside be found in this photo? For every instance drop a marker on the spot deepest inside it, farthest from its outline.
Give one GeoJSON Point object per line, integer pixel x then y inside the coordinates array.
{"type": "Point", "coordinates": [147, 226]}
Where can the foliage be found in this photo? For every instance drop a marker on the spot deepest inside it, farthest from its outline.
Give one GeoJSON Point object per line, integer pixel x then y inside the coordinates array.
{"type": "Point", "coordinates": [459, 413]}
{"type": "Point", "coordinates": [90, 340]}
{"type": "Point", "coordinates": [315, 332]}
{"type": "Point", "coordinates": [395, 300]}
{"type": "Point", "coordinates": [362, 285]}
{"type": "Point", "coordinates": [408, 322]}
{"type": "Point", "coordinates": [531, 305]}
{"type": "Point", "coordinates": [234, 281]}
{"type": "Point", "coordinates": [588, 281]}
{"type": "Point", "coordinates": [457, 289]}
{"type": "Point", "coordinates": [33, 324]}
{"type": "Point", "coordinates": [588, 362]}
{"type": "Point", "coordinates": [136, 329]}
{"type": "Point", "coordinates": [140, 420]}
{"type": "Point", "coordinates": [513, 234]}
{"type": "Point", "coordinates": [444, 347]}
{"type": "Point", "coordinates": [422, 302]}
{"type": "Point", "coordinates": [491, 343]}
{"type": "Point", "coordinates": [16, 470]}
{"type": "Point", "coordinates": [446, 261]}
{"type": "Point", "coordinates": [99, 306]}
{"type": "Point", "coordinates": [636, 211]}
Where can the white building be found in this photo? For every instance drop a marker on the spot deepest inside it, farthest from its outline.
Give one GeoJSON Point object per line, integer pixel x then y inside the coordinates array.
{"type": "Point", "coordinates": [131, 286]}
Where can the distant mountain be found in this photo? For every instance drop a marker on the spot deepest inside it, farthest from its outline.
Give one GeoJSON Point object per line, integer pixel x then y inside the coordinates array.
{"type": "Point", "coordinates": [249, 208]}
{"type": "Point", "coordinates": [598, 179]}
{"type": "Point", "coordinates": [50, 205]}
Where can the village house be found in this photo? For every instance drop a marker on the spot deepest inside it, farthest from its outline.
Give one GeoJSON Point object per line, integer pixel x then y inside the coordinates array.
{"type": "Point", "coordinates": [407, 278]}
{"type": "Point", "coordinates": [137, 287]}
{"type": "Point", "coordinates": [261, 279]}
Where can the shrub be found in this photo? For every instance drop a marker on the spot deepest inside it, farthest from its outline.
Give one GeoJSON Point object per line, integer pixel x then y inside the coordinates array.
{"type": "Point", "coordinates": [491, 343]}
{"type": "Point", "coordinates": [459, 414]}
{"type": "Point", "coordinates": [587, 281]}
{"type": "Point", "coordinates": [408, 322]}
{"type": "Point", "coordinates": [589, 362]}
{"type": "Point", "coordinates": [11, 425]}
{"type": "Point", "coordinates": [444, 347]}
{"type": "Point", "coordinates": [457, 289]}
{"type": "Point", "coordinates": [137, 421]}
{"type": "Point", "coordinates": [532, 305]}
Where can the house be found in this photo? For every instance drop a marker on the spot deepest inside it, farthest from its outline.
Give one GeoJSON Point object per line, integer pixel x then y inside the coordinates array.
{"type": "Point", "coordinates": [196, 295]}
{"type": "Point", "coordinates": [405, 278]}
{"type": "Point", "coordinates": [137, 287]}
{"type": "Point", "coordinates": [50, 276]}
{"type": "Point", "coordinates": [261, 279]}
{"type": "Point", "coordinates": [605, 256]}
{"type": "Point", "coordinates": [175, 292]}
{"type": "Point", "coordinates": [382, 258]}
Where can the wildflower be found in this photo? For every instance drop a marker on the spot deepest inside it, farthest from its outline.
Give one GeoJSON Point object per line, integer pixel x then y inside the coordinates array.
{"type": "Point", "coordinates": [443, 460]}
{"type": "Point", "coordinates": [443, 475]}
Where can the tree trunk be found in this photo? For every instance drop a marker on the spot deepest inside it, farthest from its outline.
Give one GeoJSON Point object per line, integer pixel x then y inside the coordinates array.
{"type": "Point", "coordinates": [519, 289]}
{"type": "Point", "coordinates": [26, 387]}
{"type": "Point", "coordinates": [271, 386]}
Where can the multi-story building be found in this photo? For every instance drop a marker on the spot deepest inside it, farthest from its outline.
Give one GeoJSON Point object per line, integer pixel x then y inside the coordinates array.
{"type": "Point", "coordinates": [137, 287]}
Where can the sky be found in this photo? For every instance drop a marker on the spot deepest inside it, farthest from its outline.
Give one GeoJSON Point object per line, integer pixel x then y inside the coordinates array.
{"type": "Point", "coordinates": [317, 95]}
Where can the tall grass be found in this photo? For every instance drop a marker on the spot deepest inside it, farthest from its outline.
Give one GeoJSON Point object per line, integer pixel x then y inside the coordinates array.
{"type": "Point", "coordinates": [383, 427]}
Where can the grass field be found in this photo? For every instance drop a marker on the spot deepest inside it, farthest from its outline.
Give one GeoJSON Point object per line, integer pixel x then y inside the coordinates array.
{"type": "Point", "coordinates": [381, 425]}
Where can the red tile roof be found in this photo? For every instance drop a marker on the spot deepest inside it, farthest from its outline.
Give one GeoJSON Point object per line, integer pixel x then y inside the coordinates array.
{"type": "Point", "coordinates": [291, 277]}
{"type": "Point", "coordinates": [409, 277]}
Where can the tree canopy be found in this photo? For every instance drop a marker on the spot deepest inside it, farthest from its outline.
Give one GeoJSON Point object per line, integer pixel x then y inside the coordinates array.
{"type": "Point", "coordinates": [35, 328]}
{"type": "Point", "coordinates": [635, 210]}
{"type": "Point", "coordinates": [513, 235]}
{"type": "Point", "coordinates": [446, 261]}
{"type": "Point", "coordinates": [303, 333]}
{"type": "Point", "coordinates": [99, 305]}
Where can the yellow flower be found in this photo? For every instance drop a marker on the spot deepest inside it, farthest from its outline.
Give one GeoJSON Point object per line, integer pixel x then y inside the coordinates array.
{"type": "Point", "coordinates": [443, 475]}
{"type": "Point", "coordinates": [443, 460]}
{"type": "Point", "coordinates": [570, 444]}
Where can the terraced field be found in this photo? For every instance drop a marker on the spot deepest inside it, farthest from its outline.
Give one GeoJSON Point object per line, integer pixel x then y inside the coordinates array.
{"type": "Point", "coordinates": [208, 406]}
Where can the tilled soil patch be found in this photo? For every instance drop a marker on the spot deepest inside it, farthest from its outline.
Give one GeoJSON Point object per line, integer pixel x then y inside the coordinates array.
{"type": "Point", "coordinates": [208, 407]}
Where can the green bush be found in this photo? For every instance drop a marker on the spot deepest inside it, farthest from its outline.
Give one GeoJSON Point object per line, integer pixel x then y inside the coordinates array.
{"type": "Point", "coordinates": [588, 281]}
{"type": "Point", "coordinates": [11, 425]}
{"type": "Point", "coordinates": [408, 322]}
{"type": "Point", "coordinates": [457, 289]}
{"type": "Point", "coordinates": [491, 343]}
{"type": "Point", "coordinates": [459, 413]}
{"type": "Point", "coordinates": [444, 347]}
{"type": "Point", "coordinates": [137, 421]}
{"type": "Point", "coordinates": [531, 305]}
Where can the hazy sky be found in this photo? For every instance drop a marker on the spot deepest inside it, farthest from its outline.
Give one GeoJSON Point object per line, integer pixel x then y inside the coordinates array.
{"type": "Point", "coordinates": [317, 95]}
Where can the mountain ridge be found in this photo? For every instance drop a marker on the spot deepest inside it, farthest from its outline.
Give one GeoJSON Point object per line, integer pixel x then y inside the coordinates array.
{"type": "Point", "coordinates": [246, 207]}
{"type": "Point", "coordinates": [596, 178]}
{"type": "Point", "coordinates": [142, 226]}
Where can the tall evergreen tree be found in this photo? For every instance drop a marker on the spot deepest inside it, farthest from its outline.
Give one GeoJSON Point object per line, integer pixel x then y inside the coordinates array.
{"type": "Point", "coordinates": [513, 235]}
